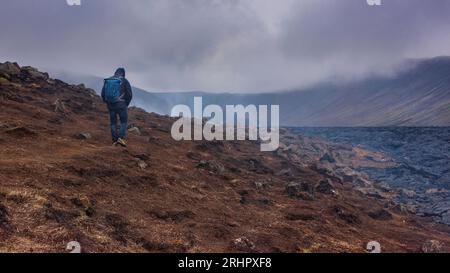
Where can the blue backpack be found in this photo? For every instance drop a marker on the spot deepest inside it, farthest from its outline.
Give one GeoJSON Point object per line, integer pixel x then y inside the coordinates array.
{"type": "Point", "coordinates": [113, 87]}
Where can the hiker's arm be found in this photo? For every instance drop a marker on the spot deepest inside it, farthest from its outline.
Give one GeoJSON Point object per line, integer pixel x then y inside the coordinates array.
{"type": "Point", "coordinates": [128, 92]}
{"type": "Point", "coordinates": [103, 93]}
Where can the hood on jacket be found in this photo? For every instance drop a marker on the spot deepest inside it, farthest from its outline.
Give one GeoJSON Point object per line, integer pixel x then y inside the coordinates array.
{"type": "Point", "coordinates": [120, 73]}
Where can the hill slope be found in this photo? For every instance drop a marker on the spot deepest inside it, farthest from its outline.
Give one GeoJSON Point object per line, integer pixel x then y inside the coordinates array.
{"type": "Point", "coordinates": [59, 184]}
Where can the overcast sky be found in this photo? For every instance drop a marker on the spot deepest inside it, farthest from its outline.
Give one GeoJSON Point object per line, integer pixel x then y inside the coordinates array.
{"type": "Point", "coordinates": [223, 45]}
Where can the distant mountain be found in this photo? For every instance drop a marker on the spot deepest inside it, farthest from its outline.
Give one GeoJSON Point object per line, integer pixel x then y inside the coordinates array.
{"type": "Point", "coordinates": [416, 96]}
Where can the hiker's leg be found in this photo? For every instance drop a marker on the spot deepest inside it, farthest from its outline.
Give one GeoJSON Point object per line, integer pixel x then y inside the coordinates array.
{"type": "Point", "coordinates": [113, 123]}
{"type": "Point", "coordinates": [123, 115]}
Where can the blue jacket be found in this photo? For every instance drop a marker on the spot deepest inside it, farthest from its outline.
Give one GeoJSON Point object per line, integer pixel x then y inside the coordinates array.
{"type": "Point", "coordinates": [126, 92]}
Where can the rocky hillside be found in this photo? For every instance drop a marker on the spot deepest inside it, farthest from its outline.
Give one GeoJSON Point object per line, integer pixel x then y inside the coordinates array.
{"type": "Point", "coordinates": [61, 180]}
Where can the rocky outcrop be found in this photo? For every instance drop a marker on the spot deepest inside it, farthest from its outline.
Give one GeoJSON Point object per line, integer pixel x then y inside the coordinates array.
{"type": "Point", "coordinates": [337, 162]}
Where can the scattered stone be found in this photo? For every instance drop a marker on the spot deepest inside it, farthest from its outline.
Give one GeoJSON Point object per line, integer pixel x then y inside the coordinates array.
{"type": "Point", "coordinates": [143, 157]}
{"type": "Point", "coordinates": [433, 246]}
{"type": "Point", "coordinates": [257, 166]}
{"type": "Point", "coordinates": [60, 107]}
{"type": "Point", "coordinates": [258, 185]}
{"type": "Point", "coordinates": [324, 168]}
{"type": "Point", "coordinates": [382, 215]}
{"type": "Point", "coordinates": [261, 184]}
{"type": "Point", "coordinates": [154, 139]}
{"type": "Point", "coordinates": [383, 186]}
{"type": "Point", "coordinates": [302, 190]}
{"type": "Point", "coordinates": [193, 156]}
{"type": "Point", "coordinates": [326, 187]}
{"type": "Point", "coordinates": [327, 158]}
{"type": "Point", "coordinates": [346, 216]}
{"type": "Point", "coordinates": [244, 244]}
{"type": "Point", "coordinates": [293, 188]}
{"type": "Point", "coordinates": [361, 182]}
{"type": "Point", "coordinates": [135, 130]}
{"type": "Point", "coordinates": [83, 136]}
{"type": "Point", "coordinates": [211, 166]}
{"type": "Point", "coordinates": [370, 192]}
{"type": "Point", "coordinates": [21, 132]}
{"type": "Point", "coordinates": [142, 165]}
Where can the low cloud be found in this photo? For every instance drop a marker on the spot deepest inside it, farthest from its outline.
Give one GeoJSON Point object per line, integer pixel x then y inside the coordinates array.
{"type": "Point", "coordinates": [223, 45]}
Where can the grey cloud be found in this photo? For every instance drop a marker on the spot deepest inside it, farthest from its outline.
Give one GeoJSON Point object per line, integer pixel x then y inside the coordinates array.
{"type": "Point", "coordinates": [223, 45]}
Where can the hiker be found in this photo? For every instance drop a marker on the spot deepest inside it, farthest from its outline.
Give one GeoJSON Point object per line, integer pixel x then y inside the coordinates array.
{"type": "Point", "coordinates": [117, 94]}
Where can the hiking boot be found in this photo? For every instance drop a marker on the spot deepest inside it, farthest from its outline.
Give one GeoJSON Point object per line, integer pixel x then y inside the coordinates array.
{"type": "Point", "coordinates": [121, 142]}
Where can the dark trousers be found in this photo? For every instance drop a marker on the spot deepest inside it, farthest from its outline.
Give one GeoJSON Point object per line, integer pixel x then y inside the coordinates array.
{"type": "Point", "coordinates": [123, 116]}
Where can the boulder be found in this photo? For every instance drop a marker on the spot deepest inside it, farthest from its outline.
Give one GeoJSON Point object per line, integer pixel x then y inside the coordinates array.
{"type": "Point", "coordinates": [348, 217]}
{"type": "Point", "coordinates": [382, 215]}
{"type": "Point", "coordinates": [211, 166]}
{"type": "Point", "coordinates": [370, 192]}
{"type": "Point", "coordinates": [21, 132]}
{"type": "Point", "coordinates": [327, 158]}
{"type": "Point", "coordinates": [302, 190]}
{"type": "Point", "coordinates": [244, 244]}
{"type": "Point", "coordinates": [433, 246]}
{"type": "Point", "coordinates": [135, 130]}
{"type": "Point", "coordinates": [361, 182]}
{"type": "Point", "coordinates": [154, 139]}
{"type": "Point", "coordinates": [83, 136]}
{"type": "Point", "coordinates": [8, 68]}
{"type": "Point", "coordinates": [33, 73]}
{"type": "Point", "coordinates": [326, 187]}
{"type": "Point", "coordinates": [292, 189]}
{"type": "Point", "coordinates": [259, 185]}
{"type": "Point", "coordinates": [60, 106]}
{"type": "Point", "coordinates": [142, 165]}
{"type": "Point", "coordinates": [142, 156]}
